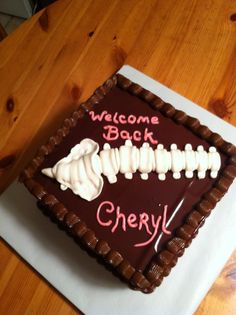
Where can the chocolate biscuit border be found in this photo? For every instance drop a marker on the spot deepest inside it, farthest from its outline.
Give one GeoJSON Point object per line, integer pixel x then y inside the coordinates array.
{"type": "Point", "coordinates": [162, 263]}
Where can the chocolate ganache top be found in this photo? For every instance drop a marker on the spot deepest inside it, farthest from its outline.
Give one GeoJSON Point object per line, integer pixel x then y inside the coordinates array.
{"type": "Point", "coordinates": [136, 217]}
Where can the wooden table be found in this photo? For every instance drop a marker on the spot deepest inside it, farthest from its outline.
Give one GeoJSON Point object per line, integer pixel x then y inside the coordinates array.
{"type": "Point", "coordinates": [56, 59]}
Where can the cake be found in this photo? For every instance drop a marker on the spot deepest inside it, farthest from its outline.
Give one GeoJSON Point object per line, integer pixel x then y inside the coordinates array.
{"type": "Point", "coordinates": [131, 179]}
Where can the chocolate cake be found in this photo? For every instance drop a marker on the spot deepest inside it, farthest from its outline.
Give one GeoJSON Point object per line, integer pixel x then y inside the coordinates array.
{"type": "Point", "coordinates": [131, 179]}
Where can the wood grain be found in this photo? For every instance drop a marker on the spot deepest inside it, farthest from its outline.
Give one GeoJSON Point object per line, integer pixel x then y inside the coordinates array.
{"type": "Point", "coordinates": [3, 33]}
{"type": "Point", "coordinates": [54, 61]}
{"type": "Point", "coordinates": [24, 292]}
{"type": "Point", "coordinates": [221, 298]}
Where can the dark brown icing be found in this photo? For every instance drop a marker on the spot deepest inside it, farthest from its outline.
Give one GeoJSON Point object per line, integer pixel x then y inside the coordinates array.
{"type": "Point", "coordinates": [142, 268]}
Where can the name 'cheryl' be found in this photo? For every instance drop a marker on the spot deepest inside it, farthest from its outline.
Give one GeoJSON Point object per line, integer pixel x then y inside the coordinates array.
{"type": "Point", "coordinates": [151, 223]}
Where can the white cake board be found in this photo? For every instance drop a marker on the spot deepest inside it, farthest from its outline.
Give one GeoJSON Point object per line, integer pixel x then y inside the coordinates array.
{"type": "Point", "coordinates": [88, 285]}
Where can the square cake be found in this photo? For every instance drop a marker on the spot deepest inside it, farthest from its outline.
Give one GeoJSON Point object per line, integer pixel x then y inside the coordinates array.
{"type": "Point", "coordinates": [131, 179]}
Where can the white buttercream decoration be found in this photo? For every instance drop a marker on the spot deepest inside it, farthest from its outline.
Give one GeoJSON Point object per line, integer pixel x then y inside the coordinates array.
{"type": "Point", "coordinates": [177, 161]}
{"type": "Point", "coordinates": [129, 159]}
{"type": "Point", "coordinates": [81, 170]}
{"type": "Point", "coordinates": [110, 162]}
{"type": "Point", "coordinates": [202, 157]}
{"type": "Point", "coordinates": [190, 160]}
{"type": "Point", "coordinates": [162, 161]}
{"type": "Point", "coordinates": [214, 161]}
{"type": "Point", "coordinates": [146, 160]}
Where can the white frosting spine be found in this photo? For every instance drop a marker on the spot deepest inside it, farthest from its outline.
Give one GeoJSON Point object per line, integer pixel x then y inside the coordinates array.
{"type": "Point", "coordinates": [81, 170]}
{"type": "Point", "coordinates": [160, 161]}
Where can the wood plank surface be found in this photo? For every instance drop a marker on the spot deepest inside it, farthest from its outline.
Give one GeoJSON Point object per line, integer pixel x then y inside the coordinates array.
{"type": "Point", "coordinates": [55, 60]}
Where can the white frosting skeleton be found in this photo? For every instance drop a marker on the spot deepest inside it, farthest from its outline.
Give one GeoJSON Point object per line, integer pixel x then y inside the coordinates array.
{"type": "Point", "coordinates": [81, 170]}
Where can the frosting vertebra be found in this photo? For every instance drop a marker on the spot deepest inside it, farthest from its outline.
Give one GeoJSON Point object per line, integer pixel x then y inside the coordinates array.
{"type": "Point", "coordinates": [81, 170]}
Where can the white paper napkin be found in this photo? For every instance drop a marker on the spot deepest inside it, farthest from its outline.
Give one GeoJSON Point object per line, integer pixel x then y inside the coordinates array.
{"type": "Point", "coordinates": [87, 284]}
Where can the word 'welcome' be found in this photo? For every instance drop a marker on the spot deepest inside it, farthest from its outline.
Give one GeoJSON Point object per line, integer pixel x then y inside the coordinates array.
{"type": "Point", "coordinates": [113, 132]}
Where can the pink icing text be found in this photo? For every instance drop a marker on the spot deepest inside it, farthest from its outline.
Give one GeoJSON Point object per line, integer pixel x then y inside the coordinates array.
{"type": "Point", "coordinates": [112, 132]}
{"type": "Point", "coordinates": [110, 216]}
{"type": "Point", "coordinates": [123, 119]}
